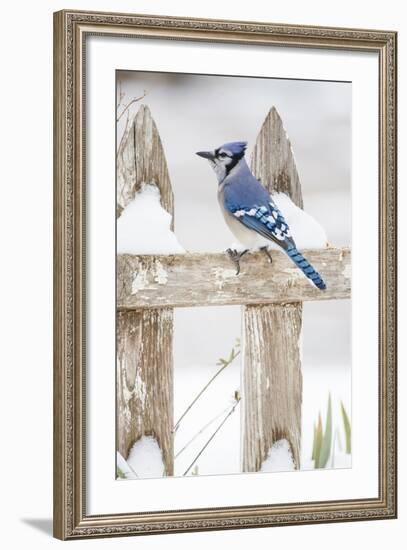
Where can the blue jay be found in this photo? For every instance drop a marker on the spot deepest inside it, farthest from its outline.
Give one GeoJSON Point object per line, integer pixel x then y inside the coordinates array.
{"type": "Point", "coordinates": [249, 210]}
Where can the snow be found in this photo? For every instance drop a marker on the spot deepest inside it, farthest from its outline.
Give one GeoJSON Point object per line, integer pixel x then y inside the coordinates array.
{"type": "Point", "coordinates": [222, 456]}
{"type": "Point", "coordinates": [144, 227]}
{"type": "Point", "coordinates": [306, 231]}
{"type": "Point", "coordinates": [279, 458]}
{"type": "Point", "coordinates": [341, 460]}
{"type": "Point", "coordinates": [145, 458]}
{"type": "Point", "coordinates": [124, 468]}
{"type": "Point", "coordinates": [318, 382]}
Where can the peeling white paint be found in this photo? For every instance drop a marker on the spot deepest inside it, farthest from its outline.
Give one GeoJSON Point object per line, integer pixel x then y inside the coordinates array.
{"type": "Point", "coordinates": [146, 277]}
{"type": "Point", "coordinates": [140, 281]}
{"type": "Point", "coordinates": [140, 389]}
{"type": "Point", "coordinates": [222, 276]}
{"type": "Point", "coordinates": [160, 275]}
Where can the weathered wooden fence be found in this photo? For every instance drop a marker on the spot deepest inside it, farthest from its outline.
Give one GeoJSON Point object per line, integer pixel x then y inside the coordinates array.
{"type": "Point", "coordinates": [144, 336]}
{"type": "Point", "coordinates": [271, 298]}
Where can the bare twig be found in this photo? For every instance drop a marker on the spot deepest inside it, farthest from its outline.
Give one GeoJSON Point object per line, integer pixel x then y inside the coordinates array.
{"type": "Point", "coordinates": [130, 468]}
{"type": "Point", "coordinates": [232, 410]}
{"type": "Point", "coordinates": [126, 107]}
{"type": "Point", "coordinates": [198, 433]}
{"type": "Point", "coordinates": [225, 363]}
{"type": "Point", "coordinates": [120, 95]}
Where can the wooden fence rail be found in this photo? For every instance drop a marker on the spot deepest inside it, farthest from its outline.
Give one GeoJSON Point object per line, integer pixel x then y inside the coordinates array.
{"type": "Point", "coordinates": [187, 280]}
{"type": "Point", "coordinates": [149, 287]}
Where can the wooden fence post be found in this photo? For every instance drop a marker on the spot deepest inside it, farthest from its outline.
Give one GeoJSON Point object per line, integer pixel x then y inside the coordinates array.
{"type": "Point", "coordinates": [144, 336]}
{"type": "Point", "coordinates": [272, 379]}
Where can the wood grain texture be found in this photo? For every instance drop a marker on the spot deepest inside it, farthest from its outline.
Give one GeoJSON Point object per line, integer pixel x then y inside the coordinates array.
{"type": "Point", "coordinates": [210, 279]}
{"type": "Point", "coordinates": [141, 159]}
{"type": "Point", "coordinates": [272, 379]}
{"type": "Point", "coordinates": [272, 160]}
{"type": "Point", "coordinates": [144, 337]}
{"type": "Point", "coordinates": [145, 380]}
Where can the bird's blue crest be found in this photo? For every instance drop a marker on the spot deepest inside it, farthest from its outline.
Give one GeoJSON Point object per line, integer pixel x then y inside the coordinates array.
{"type": "Point", "coordinates": [235, 147]}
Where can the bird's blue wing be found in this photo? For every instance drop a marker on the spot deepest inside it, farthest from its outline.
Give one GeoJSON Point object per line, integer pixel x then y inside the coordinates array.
{"type": "Point", "coordinates": [249, 202]}
{"type": "Point", "coordinates": [267, 221]}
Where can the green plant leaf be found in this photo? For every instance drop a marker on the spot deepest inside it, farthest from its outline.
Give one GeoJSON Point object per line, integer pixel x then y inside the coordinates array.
{"type": "Point", "coordinates": [314, 443]}
{"type": "Point", "coordinates": [347, 428]}
{"type": "Point", "coordinates": [327, 439]}
{"type": "Point", "coordinates": [316, 451]}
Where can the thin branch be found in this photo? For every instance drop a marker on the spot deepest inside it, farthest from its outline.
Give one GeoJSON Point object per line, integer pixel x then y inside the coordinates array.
{"type": "Point", "coordinates": [120, 95]}
{"type": "Point", "coordinates": [126, 107]}
{"type": "Point", "coordinates": [124, 135]}
{"type": "Point", "coordinates": [130, 468]}
{"type": "Point", "coordinates": [213, 435]}
{"type": "Point", "coordinates": [225, 363]}
{"type": "Point", "coordinates": [198, 433]}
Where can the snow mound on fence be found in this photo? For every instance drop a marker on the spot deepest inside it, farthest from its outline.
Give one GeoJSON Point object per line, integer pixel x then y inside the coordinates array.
{"type": "Point", "coordinates": [145, 458]}
{"type": "Point", "coordinates": [279, 458]}
{"type": "Point", "coordinates": [306, 231]}
{"type": "Point", "coordinates": [144, 226]}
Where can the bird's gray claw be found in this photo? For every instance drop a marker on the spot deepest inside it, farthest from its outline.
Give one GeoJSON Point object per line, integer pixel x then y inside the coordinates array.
{"type": "Point", "coordinates": [267, 252]}
{"type": "Point", "coordinates": [235, 256]}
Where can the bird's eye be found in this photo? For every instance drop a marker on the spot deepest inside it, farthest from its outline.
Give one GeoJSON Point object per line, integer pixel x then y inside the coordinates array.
{"type": "Point", "coordinates": [223, 155]}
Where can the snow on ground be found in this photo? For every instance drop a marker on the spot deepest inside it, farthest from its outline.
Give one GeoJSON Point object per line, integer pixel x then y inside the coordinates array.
{"type": "Point", "coordinates": [145, 458]}
{"type": "Point", "coordinates": [124, 468]}
{"type": "Point", "coordinates": [279, 458]}
{"type": "Point", "coordinates": [145, 217]}
{"type": "Point", "coordinates": [318, 382]}
{"type": "Point", "coordinates": [222, 455]}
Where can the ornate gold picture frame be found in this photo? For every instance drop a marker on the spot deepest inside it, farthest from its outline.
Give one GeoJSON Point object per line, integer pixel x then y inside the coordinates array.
{"type": "Point", "coordinates": [72, 29]}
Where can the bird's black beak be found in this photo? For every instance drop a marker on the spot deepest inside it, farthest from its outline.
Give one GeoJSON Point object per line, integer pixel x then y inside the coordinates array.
{"type": "Point", "coordinates": [206, 155]}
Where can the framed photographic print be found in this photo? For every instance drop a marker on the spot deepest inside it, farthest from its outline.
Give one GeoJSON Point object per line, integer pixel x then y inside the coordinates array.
{"type": "Point", "coordinates": [225, 274]}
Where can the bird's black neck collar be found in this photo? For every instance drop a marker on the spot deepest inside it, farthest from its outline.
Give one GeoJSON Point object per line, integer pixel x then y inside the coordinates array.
{"type": "Point", "coordinates": [235, 160]}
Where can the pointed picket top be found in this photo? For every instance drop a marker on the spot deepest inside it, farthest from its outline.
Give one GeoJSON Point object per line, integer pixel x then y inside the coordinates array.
{"type": "Point", "coordinates": [144, 337]}
{"type": "Point", "coordinates": [141, 159]}
{"type": "Point", "coordinates": [272, 160]}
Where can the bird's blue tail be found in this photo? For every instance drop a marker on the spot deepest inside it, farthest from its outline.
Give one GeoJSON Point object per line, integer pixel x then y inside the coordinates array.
{"type": "Point", "coordinates": [306, 267]}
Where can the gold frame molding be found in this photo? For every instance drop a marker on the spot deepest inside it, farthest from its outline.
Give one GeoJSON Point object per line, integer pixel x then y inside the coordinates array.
{"type": "Point", "coordinates": [70, 31]}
